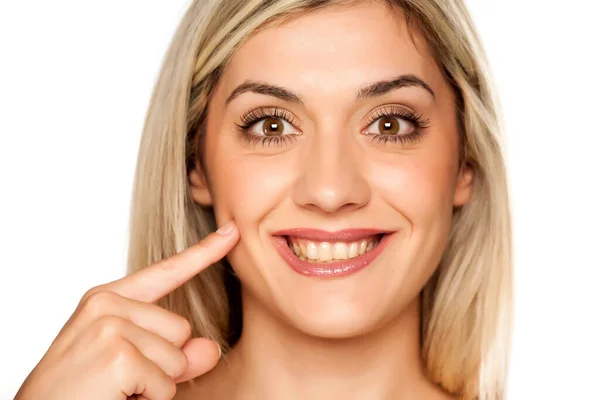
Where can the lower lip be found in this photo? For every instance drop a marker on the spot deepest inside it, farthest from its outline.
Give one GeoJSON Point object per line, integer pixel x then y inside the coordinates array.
{"type": "Point", "coordinates": [335, 268]}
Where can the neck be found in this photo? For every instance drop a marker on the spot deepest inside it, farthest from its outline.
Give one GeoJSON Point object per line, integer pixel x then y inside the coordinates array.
{"type": "Point", "coordinates": [273, 357]}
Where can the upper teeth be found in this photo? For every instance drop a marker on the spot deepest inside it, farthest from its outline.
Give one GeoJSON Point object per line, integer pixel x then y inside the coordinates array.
{"type": "Point", "coordinates": [325, 251]}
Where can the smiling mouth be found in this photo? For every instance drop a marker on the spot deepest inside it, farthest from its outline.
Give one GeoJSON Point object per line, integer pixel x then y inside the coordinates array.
{"type": "Point", "coordinates": [330, 251]}
{"type": "Point", "coordinates": [318, 253]}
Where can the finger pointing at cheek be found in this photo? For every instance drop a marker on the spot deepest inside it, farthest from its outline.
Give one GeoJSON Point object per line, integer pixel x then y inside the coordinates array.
{"type": "Point", "coordinates": [164, 276]}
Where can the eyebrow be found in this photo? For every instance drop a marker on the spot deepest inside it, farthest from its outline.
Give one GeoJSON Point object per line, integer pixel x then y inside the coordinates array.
{"type": "Point", "coordinates": [372, 90]}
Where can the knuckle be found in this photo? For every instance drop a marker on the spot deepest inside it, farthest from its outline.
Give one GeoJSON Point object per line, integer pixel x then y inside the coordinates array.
{"type": "Point", "coordinates": [90, 293]}
{"type": "Point", "coordinates": [98, 303]}
{"type": "Point", "coordinates": [123, 361]}
{"type": "Point", "coordinates": [108, 328]}
{"type": "Point", "coordinates": [123, 354]}
{"type": "Point", "coordinates": [203, 250]}
{"type": "Point", "coordinates": [204, 244]}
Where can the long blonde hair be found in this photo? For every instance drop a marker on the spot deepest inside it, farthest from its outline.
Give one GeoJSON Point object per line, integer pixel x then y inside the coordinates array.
{"type": "Point", "coordinates": [466, 306]}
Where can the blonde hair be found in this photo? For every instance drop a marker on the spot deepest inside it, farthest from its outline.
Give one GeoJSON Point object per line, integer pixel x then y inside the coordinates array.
{"type": "Point", "coordinates": [466, 306]}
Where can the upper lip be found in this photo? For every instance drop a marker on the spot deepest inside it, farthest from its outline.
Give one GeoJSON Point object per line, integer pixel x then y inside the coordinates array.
{"type": "Point", "coordinates": [344, 235]}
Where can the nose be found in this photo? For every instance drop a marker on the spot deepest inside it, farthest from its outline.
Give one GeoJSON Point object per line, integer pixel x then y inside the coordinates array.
{"type": "Point", "coordinates": [332, 179]}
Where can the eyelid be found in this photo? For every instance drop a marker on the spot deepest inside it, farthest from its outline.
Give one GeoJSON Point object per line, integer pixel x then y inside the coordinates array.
{"type": "Point", "coordinates": [392, 109]}
{"type": "Point", "coordinates": [262, 112]}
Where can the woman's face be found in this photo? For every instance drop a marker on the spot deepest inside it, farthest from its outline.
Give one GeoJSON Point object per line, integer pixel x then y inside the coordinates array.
{"type": "Point", "coordinates": [335, 150]}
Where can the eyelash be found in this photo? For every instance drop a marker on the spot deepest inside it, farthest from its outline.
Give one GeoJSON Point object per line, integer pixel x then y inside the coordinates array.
{"type": "Point", "coordinates": [254, 116]}
{"type": "Point", "coordinates": [400, 112]}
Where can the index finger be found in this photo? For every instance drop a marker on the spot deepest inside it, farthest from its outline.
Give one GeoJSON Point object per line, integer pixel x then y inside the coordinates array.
{"type": "Point", "coordinates": [157, 280]}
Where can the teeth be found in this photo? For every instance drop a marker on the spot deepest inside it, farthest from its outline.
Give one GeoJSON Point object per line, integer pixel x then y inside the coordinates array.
{"type": "Point", "coordinates": [340, 251]}
{"type": "Point", "coordinates": [353, 250]}
{"type": "Point", "coordinates": [325, 251]}
{"type": "Point", "coordinates": [363, 247]}
{"type": "Point", "coordinates": [312, 251]}
{"type": "Point", "coordinates": [303, 248]}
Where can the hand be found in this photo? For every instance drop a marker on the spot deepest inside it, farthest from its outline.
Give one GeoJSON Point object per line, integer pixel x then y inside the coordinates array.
{"type": "Point", "coordinates": [118, 344]}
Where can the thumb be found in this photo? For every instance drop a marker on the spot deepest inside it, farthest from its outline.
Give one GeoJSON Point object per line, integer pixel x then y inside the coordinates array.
{"type": "Point", "coordinates": [202, 354]}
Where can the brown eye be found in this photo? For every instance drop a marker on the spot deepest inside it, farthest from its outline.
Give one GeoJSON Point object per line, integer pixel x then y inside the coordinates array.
{"type": "Point", "coordinates": [390, 126]}
{"type": "Point", "coordinates": [272, 127]}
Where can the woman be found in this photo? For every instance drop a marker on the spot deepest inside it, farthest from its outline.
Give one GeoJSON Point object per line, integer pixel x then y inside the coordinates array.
{"type": "Point", "coordinates": [349, 151]}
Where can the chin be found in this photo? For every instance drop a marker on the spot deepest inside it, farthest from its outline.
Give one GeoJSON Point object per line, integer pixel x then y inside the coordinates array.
{"type": "Point", "coordinates": [336, 320]}
{"type": "Point", "coordinates": [342, 308]}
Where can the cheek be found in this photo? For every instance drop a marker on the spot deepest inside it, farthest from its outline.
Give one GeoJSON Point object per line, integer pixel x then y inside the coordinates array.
{"type": "Point", "coordinates": [247, 187]}
{"type": "Point", "coordinates": [419, 185]}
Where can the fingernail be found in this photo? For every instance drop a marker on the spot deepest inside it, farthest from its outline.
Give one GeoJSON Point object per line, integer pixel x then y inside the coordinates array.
{"type": "Point", "coordinates": [226, 229]}
{"type": "Point", "coordinates": [220, 351]}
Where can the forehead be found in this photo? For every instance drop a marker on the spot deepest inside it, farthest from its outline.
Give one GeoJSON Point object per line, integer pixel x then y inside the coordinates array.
{"type": "Point", "coordinates": [332, 50]}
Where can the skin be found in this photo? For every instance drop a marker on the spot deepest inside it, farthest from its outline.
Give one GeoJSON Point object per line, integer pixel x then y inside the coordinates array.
{"type": "Point", "coordinates": [355, 336]}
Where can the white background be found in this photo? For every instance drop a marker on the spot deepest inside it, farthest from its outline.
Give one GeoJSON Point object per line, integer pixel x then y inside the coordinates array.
{"type": "Point", "coordinates": [75, 81]}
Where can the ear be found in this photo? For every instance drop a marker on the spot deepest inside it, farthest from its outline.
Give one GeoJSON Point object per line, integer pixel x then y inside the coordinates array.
{"type": "Point", "coordinates": [464, 185]}
{"type": "Point", "coordinates": [199, 185]}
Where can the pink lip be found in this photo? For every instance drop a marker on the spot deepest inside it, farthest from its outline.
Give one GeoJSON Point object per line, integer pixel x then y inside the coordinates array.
{"type": "Point", "coordinates": [329, 269]}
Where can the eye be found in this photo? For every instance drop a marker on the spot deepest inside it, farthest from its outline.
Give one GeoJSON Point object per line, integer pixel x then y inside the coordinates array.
{"type": "Point", "coordinates": [390, 125]}
{"type": "Point", "coordinates": [268, 122]}
{"type": "Point", "coordinates": [271, 126]}
{"type": "Point", "coordinates": [268, 126]}
{"type": "Point", "coordinates": [395, 125]}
